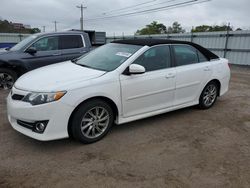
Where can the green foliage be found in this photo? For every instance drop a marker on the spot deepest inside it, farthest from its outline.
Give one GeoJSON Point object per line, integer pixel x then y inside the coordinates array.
{"type": "Point", "coordinates": [153, 28]}
{"type": "Point", "coordinates": [176, 28]}
{"type": "Point", "coordinates": [159, 28]}
{"type": "Point", "coordinates": [7, 27]}
{"type": "Point", "coordinates": [207, 28]}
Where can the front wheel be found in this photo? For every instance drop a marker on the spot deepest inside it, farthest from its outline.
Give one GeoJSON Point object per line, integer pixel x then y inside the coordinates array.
{"type": "Point", "coordinates": [7, 78]}
{"type": "Point", "coordinates": [92, 121]}
{"type": "Point", "coordinates": [208, 96]}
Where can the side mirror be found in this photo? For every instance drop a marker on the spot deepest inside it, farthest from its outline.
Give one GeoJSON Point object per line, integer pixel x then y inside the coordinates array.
{"type": "Point", "coordinates": [31, 50]}
{"type": "Point", "coordinates": [136, 69]}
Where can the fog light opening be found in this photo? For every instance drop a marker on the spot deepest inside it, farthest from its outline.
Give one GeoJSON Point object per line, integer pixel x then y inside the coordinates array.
{"type": "Point", "coordinates": [40, 127]}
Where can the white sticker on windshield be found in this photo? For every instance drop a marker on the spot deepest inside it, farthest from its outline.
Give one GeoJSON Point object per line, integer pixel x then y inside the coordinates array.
{"type": "Point", "coordinates": [123, 54]}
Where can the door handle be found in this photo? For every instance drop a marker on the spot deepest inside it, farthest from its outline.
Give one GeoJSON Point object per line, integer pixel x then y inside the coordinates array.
{"type": "Point", "coordinates": [170, 75]}
{"type": "Point", "coordinates": [207, 69]}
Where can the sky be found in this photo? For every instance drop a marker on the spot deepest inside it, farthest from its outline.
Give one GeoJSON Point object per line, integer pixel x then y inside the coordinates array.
{"type": "Point", "coordinates": [38, 13]}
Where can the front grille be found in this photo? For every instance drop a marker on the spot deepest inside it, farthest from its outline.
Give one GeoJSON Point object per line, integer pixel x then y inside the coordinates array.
{"type": "Point", "coordinates": [17, 97]}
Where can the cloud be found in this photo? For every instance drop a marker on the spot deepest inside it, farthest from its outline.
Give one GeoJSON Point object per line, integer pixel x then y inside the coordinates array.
{"type": "Point", "coordinates": [43, 12]}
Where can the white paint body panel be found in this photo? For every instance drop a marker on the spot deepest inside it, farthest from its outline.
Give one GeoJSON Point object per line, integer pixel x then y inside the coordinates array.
{"type": "Point", "coordinates": [136, 96]}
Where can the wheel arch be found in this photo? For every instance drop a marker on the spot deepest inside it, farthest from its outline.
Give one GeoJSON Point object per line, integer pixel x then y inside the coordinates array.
{"type": "Point", "coordinates": [11, 66]}
{"type": "Point", "coordinates": [218, 83]}
{"type": "Point", "coordinates": [106, 99]}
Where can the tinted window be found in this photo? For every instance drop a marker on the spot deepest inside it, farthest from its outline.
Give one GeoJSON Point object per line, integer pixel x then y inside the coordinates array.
{"type": "Point", "coordinates": [46, 44]}
{"type": "Point", "coordinates": [185, 55]}
{"type": "Point", "coordinates": [70, 41]}
{"type": "Point", "coordinates": [202, 58]}
{"type": "Point", "coordinates": [155, 58]}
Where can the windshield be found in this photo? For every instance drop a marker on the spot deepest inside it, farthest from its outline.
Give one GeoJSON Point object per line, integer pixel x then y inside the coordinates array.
{"type": "Point", "coordinates": [108, 57]}
{"type": "Point", "coordinates": [23, 43]}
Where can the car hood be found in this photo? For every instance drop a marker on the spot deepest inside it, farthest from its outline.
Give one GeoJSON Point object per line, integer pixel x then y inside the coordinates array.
{"type": "Point", "coordinates": [57, 77]}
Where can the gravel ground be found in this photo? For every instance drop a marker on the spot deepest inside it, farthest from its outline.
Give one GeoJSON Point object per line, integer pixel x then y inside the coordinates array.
{"type": "Point", "coordinates": [185, 148]}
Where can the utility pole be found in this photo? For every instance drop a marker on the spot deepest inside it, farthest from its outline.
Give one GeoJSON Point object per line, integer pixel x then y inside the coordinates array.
{"type": "Point", "coordinates": [44, 28]}
{"type": "Point", "coordinates": [81, 19]}
{"type": "Point", "coordinates": [55, 22]}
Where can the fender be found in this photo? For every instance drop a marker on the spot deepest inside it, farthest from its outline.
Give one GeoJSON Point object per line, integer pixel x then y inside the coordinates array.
{"type": "Point", "coordinates": [15, 65]}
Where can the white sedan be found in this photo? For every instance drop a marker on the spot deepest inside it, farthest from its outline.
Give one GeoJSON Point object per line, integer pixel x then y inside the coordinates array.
{"type": "Point", "coordinates": [117, 83]}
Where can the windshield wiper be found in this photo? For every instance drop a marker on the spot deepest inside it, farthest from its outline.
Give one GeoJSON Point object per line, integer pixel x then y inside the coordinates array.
{"type": "Point", "coordinates": [83, 65]}
{"type": "Point", "coordinates": [74, 60]}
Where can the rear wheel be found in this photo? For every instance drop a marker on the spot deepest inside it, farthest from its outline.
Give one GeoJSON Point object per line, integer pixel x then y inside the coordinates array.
{"type": "Point", "coordinates": [209, 95]}
{"type": "Point", "coordinates": [7, 78]}
{"type": "Point", "coordinates": [92, 121]}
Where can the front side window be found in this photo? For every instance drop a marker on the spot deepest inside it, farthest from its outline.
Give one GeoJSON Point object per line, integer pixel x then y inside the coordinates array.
{"type": "Point", "coordinates": [46, 44]}
{"type": "Point", "coordinates": [70, 41]}
{"type": "Point", "coordinates": [108, 57]}
{"type": "Point", "coordinates": [185, 55]}
{"type": "Point", "coordinates": [155, 58]}
{"type": "Point", "coordinates": [23, 43]}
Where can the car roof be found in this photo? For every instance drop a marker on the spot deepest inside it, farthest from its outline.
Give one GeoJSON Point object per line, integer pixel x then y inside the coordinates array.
{"type": "Point", "coordinates": [60, 33]}
{"type": "Point", "coordinates": [154, 42]}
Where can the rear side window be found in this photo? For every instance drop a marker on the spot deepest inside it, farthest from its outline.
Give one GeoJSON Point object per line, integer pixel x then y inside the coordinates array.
{"type": "Point", "coordinates": [155, 58]}
{"type": "Point", "coordinates": [202, 58]}
{"type": "Point", "coordinates": [70, 41]}
{"type": "Point", "coordinates": [185, 55]}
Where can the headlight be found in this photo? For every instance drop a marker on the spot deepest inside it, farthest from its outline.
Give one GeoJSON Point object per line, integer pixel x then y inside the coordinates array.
{"type": "Point", "coordinates": [41, 98]}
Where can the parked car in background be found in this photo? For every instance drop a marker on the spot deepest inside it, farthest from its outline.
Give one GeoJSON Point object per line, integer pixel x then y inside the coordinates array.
{"type": "Point", "coordinates": [40, 50]}
{"type": "Point", "coordinates": [119, 82]}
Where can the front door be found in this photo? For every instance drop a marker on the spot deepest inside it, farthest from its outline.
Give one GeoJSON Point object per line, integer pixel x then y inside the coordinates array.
{"type": "Point", "coordinates": [153, 90]}
{"type": "Point", "coordinates": [47, 53]}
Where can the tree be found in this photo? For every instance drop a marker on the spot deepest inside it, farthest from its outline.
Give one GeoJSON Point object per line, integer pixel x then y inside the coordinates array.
{"type": "Point", "coordinates": [35, 30]}
{"type": "Point", "coordinates": [176, 28]}
{"type": "Point", "coordinates": [153, 28]}
{"type": "Point", "coordinates": [207, 28]}
{"type": "Point", "coordinates": [7, 27]}
{"type": "Point", "coordinates": [159, 28]}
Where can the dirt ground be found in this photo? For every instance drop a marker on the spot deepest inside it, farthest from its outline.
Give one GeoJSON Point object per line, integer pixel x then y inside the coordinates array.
{"type": "Point", "coordinates": [185, 148]}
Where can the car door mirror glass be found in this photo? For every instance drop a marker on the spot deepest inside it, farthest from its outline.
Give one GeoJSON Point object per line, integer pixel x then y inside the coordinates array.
{"type": "Point", "coordinates": [136, 69]}
{"type": "Point", "coordinates": [31, 50]}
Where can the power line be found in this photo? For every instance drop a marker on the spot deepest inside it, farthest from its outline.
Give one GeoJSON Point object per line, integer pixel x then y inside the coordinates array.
{"type": "Point", "coordinates": [143, 11]}
{"type": "Point", "coordinates": [132, 6]}
{"type": "Point", "coordinates": [177, 5]}
{"type": "Point", "coordinates": [138, 8]}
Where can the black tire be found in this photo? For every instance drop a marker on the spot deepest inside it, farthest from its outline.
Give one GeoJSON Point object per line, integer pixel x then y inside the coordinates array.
{"type": "Point", "coordinates": [7, 78]}
{"type": "Point", "coordinates": [82, 112]}
{"type": "Point", "coordinates": [203, 103]}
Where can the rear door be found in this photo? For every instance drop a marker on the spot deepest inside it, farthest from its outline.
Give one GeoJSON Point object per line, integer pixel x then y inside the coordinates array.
{"type": "Point", "coordinates": [193, 71]}
{"type": "Point", "coordinates": [72, 46]}
{"type": "Point", "coordinates": [47, 53]}
{"type": "Point", "coordinates": [153, 90]}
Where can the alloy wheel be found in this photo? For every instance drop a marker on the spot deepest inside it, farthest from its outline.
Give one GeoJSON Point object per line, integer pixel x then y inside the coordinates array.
{"type": "Point", "coordinates": [210, 95]}
{"type": "Point", "coordinates": [6, 81]}
{"type": "Point", "coordinates": [95, 122]}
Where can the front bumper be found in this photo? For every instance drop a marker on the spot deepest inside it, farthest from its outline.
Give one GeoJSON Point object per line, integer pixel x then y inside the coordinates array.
{"type": "Point", "coordinates": [57, 113]}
